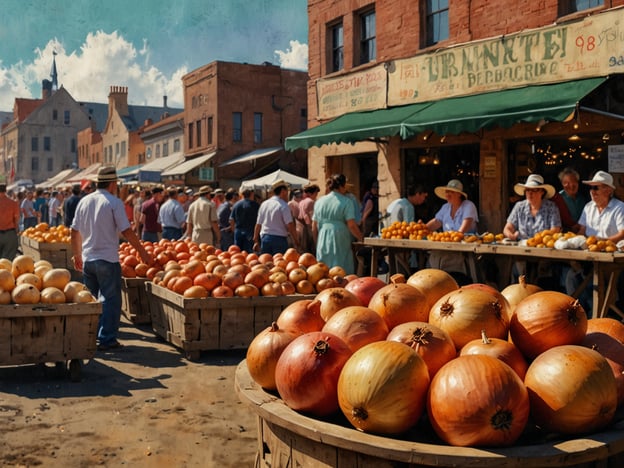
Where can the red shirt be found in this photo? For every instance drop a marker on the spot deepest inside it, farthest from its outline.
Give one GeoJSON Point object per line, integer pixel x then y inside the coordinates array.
{"type": "Point", "coordinates": [150, 210]}
{"type": "Point", "coordinates": [9, 213]}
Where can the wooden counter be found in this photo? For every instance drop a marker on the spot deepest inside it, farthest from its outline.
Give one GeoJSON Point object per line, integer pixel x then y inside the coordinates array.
{"type": "Point", "coordinates": [607, 266]}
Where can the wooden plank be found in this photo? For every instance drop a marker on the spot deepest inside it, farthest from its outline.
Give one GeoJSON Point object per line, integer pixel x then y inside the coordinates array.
{"type": "Point", "coordinates": [209, 326]}
{"type": "Point", "coordinates": [236, 329]}
{"type": "Point", "coordinates": [135, 305]}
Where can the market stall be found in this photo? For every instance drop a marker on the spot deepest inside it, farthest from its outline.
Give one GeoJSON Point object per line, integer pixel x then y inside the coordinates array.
{"type": "Point", "coordinates": [607, 266]}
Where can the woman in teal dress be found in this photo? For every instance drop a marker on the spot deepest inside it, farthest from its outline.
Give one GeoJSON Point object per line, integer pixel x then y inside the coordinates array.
{"type": "Point", "coordinates": [333, 224]}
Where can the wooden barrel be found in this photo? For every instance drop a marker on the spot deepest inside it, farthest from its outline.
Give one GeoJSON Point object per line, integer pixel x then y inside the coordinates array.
{"type": "Point", "coordinates": [287, 438]}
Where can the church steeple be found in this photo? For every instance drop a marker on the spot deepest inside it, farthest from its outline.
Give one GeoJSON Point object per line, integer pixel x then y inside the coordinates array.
{"type": "Point", "coordinates": [53, 73]}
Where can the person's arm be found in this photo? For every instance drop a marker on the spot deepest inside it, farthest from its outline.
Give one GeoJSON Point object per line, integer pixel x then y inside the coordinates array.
{"type": "Point", "coordinates": [256, 237]}
{"type": "Point", "coordinates": [217, 233]}
{"type": "Point", "coordinates": [368, 208]}
{"type": "Point", "coordinates": [131, 237]}
{"type": "Point", "coordinates": [76, 244]}
{"type": "Point", "coordinates": [617, 237]}
{"type": "Point", "coordinates": [292, 230]}
{"type": "Point", "coordinates": [510, 231]}
{"type": "Point", "coordinates": [433, 225]}
{"type": "Point", "coordinates": [465, 225]}
{"type": "Point", "coordinates": [355, 230]}
{"type": "Point", "coordinates": [315, 231]}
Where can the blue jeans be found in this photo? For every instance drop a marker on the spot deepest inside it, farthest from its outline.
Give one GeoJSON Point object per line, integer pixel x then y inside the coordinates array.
{"type": "Point", "coordinates": [244, 239]}
{"type": "Point", "coordinates": [171, 233]}
{"type": "Point", "coordinates": [150, 236]}
{"type": "Point", "coordinates": [104, 281]}
{"type": "Point", "coordinates": [273, 244]}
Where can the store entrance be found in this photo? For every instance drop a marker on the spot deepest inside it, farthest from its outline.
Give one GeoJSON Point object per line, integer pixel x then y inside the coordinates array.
{"type": "Point", "coordinates": [435, 166]}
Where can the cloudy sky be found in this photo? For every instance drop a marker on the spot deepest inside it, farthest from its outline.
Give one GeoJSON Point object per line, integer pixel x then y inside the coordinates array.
{"type": "Point", "coordinates": [146, 45]}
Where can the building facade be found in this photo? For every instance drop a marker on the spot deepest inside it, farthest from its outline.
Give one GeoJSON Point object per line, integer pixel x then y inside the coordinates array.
{"type": "Point", "coordinates": [421, 92]}
{"type": "Point", "coordinates": [244, 111]}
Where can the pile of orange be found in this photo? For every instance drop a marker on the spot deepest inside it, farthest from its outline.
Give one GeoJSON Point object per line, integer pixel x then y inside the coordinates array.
{"type": "Point", "coordinates": [405, 230]}
{"type": "Point", "coordinates": [43, 232]}
{"type": "Point", "coordinates": [446, 236]}
{"type": "Point", "coordinates": [594, 244]}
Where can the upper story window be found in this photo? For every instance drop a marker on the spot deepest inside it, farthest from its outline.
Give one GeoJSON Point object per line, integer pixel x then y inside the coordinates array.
{"type": "Point", "coordinates": [158, 151]}
{"type": "Point", "coordinates": [165, 149]}
{"type": "Point", "coordinates": [176, 145]}
{"type": "Point", "coordinates": [567, 7]}
{"type": "Point", "coordinates": [66, 117]}
{"type": "Point", "coordinates": [47, 143]}
{"type": "Point", "coordinates": [337, 47]}
{"type": "Point", "coordinates": [54, 114]}
{"type": "Point", "coordinates": [237, 127]}
{"type": "Point", "coordinates": [437, 21]}
{"type": "Point", "coordinates": [210, 130]}
{"type": "Point", "coordinates": [198, 129]}
{"type": "Point", "coordinates": [257, 127]}
{"type": "Point", "coordinates": [34, 144]}
{"type": "Point", "coordinates": [190, 134]}
{"type": "Point", "coordinates": [368, 38]}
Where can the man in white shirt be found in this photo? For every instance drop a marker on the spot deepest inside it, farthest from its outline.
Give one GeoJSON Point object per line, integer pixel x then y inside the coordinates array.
{"type": "Point", "coordinates": [275, 222]}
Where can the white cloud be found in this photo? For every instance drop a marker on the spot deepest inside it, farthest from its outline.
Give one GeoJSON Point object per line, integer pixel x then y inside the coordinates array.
{"type": "Point", "coordinates": [104, 60]}
{"type": "Point", "coordinates": [295, 58]}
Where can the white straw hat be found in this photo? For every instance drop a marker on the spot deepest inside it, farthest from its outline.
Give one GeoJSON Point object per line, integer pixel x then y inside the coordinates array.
{"type": "Point", "coordinates": [601, 177]}
{"type": "Point", "coordinates": [535, 181]}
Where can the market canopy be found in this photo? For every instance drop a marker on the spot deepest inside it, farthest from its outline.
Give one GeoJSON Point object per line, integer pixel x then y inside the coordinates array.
{"type": "Point", "coordinates": [552, 102]}
{"type": "Point", "coordinates": [151, 171]}
{"type": "Point", "coordinates": [252, 155]}
{"type": "Point", "coordinates": [59, 178]}
{"type": "Point", "coordinates": [188, 165]}
{"type": "Point", "coordinates": [265, 182]}
{"type": "Point", "coordinates": [86, 174]}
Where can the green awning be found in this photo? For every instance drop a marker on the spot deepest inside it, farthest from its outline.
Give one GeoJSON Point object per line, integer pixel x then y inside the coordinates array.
{"type": "Point", "coordinates": [553, 102]}
{"type": "Point", "coordinates": [354, 127]}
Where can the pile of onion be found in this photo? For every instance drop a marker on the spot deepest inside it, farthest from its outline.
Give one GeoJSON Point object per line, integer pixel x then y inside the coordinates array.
{"type": "Point", "coordinates": [433, 283]}
{"type": "Point", "coordinates": [514, 293]}
{"type": "Point", "coordinates": [357, 326]}
{"type": "Point", "coordinates": [264, 352]}
{"type": "Point", "coordinates": [400, 303]}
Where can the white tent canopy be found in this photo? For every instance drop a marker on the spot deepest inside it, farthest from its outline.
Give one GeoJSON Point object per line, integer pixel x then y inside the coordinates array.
{"type": "Point", "coordinates": [265, 182]}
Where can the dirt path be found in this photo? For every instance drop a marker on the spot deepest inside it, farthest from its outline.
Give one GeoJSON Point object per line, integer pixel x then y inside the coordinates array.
{"type": "Point", "coordinates": [141, 406]}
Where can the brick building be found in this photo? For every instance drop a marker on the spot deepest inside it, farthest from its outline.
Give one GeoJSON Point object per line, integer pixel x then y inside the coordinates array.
{"type": "Point", "coordinates": [236, 118]}
{"type": "Point", "coordinates": [408, 92]}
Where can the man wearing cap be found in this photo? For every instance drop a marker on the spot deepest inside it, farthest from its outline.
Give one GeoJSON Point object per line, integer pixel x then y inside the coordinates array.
{"type": "Point", "coordinates": [275, 222]}
{"type": "Point", "coordinates": [171, 216]}
{"type": "Point", "coordinates": [149, 216]}
{"type": "Point", "coordinates": [9, 222]}
{"type": "Point", "coordinates": [243, 220]}
{"type": "Point", "coordinates": [69, 207]}
{"type": "Point", "coordinates": [202, 224]}
{"type": "Point", "coordinates": [602, 217]}
{"type": "Point", "coordinates": [99, 219]}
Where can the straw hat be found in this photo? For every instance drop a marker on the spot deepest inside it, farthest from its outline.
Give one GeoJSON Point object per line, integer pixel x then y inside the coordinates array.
{"type": "Point", "coordinates": [535, 181]}
{"type": "Point", "coordinates": [106, 174]}
{"type": "Point", "coordinates": [203, 190]}
{"type": "Point", "coordinates": [601, 177]}
{"type": "Point", "coordinates": [279, 183]}
{"type": "Point", "coordinates": [453, 185]}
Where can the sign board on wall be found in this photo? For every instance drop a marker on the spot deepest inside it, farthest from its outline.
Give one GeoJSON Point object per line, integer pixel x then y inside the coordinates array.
{"type": "Point", "coordinates": [616, 158]}
{"type": "Point", "coordinates": [206, 173]}
{"type": "Point", "coordinates": [590, 47]}
{"type": "Point", "coordinates": [358, 91]}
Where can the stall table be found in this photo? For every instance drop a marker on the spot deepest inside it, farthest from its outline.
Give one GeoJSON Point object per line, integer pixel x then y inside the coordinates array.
{"type": "Point", "coordinates": [607, 266]}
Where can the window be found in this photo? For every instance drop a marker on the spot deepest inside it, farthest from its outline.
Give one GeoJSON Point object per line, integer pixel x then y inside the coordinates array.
{"type": "Point", "coordinates": [117, 149]}
{"type": "Point", "coordinates": [190, 135]}
{"type": "Point", "coordinates": [198, 127]}
{"type": "Point", "coordinates": [54, 114]}
{"type": "Point", "coordinates": [123, 149]}
{"type": "Point", "coordinates": [47, 144]}
{"type": "Point", "coordinates": [237, 127]}
{"type": "Point", "coordinates": [148, 153]}
{"type": "Point", "coordinates": [210, 130]}
{"type": "Point", "coordinates": [34, 144]}
{"type": "Point", "coordinates": [572, 6]}
{"type": "Point", "coordinates": [368, 40]}
{"type": "Point", "coordinates": [337, 48]}
{"type": "Point", "coordinates": [34, 164]}
{"type": "Point", "coordinates": [66, 117]}
{"type": "Point", "coordinates": [437, 21]}
{"type": "Point", "coordinates": [50, 164]}
{"type": "Point", "coordinates": [165, 149]}
{"type": "Point", "coordinates": [110, 153]}
{"type": "Point", "coordinates": [176, 145]}
{"type": "Point", "coordinates": [257, 127]}
{"type": "Point", "coordinates": [72, 145]}
{"type": "Point", "coordinates": [158, 151]}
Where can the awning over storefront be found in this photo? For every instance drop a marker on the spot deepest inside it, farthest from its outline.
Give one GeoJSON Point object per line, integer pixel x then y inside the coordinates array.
{"type": "Point", "coordinates": [86, 174]}
{"type": "Point", "coordinates": [59, 178]}
{"type": "Point", "coordinates": [151, 171]}
{"type": "Point", "coordinates": [252, 156]}
{"type": "Point", "coordinates": [130, 172]}
{"type": "Point", "coordinates": [188, 165]}
{"type": "Point", "coordinates": [553, 102]}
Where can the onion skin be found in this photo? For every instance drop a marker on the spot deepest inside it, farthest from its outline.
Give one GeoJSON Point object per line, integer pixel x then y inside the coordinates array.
{"type": "Point", "coordinates": [307, 373]}
{"type": "Point", "coordinates": [334, 299]}
{"type": "Point", "coordinates": [433, 283]}
{"type": "Point", "coordinates": [357, 326]}
{"type": "Point", "coordinates": [496, 412]}
{"type": "Point", "coordinates": [465, 312]}
{"type": "Point", "coordinates": [431, 343]}
{"type": "Point", "coordinates": [500, 349]}
{"type": "Point", "coordinates": [606, 335]}
{"type": "Point", "coordinates": [264, 352]}
{"type": "Point", "coordinates": [572, 390]}
{"type": "Point", "coordinates": [302, 316]}
{"type": "Point", "coordinates": [547, 319]}
{"type": "Point", "coordinates": [383, 388]}
{"type": "Point", "coordinates": [514, 293]}
{"type": "Point", "coordinates": [400, 303]}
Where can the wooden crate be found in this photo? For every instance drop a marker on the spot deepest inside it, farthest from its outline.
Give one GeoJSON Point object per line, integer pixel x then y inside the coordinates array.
{"type": "Point", "coordinates": [58, 254]}
{"type": "Point", "coordinates": [196, 325]}
{"type": "Point", "coordinates": [33, 334]}
{"type": "Point", "coordinates": [287, 438]}
{"type": "Point", "coordinates": [135, 304]}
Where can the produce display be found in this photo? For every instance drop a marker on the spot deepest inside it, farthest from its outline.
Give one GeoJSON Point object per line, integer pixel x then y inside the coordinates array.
{"type": "Point", "coordinates": [26, 281]}
{"type": "Point", "coordinates": [202, 270]}
{"type": "Point", "coordinates": [472, 365]}
{"type": "Point", "coordinates": [43, 232]}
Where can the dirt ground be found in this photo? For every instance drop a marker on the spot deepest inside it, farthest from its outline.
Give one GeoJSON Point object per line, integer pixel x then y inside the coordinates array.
{"type": "Point", "coordinates": [143, 406]}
